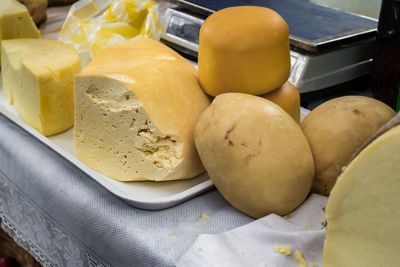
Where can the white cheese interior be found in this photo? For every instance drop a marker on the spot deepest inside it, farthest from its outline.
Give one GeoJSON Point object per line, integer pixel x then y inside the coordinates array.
{"type": "Point", "coordinates": [117, 136]}
{"type": "Point", "coordinates": [363, 208]}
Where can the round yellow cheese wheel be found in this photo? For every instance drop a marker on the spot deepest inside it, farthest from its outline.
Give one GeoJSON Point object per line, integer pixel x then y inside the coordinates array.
{"type": "Point", "coordinates": [288, 98]}
{"type": "Point", "coordinates": [243, 49]}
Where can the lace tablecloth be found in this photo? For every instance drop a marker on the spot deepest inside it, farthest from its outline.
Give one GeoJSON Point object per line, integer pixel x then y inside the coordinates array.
{"type": "Point", "coordinates": [64, 218]}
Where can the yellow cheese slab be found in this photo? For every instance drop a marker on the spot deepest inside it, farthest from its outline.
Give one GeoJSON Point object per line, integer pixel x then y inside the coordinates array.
{"type": "Point", "coordinates": [38, 79]}
{"type": "Point", "coordinates": [15, 21]}
{"type": "Point", "coordinates": [137, 104]}
{"type": "Point", "coordinates": [363, 210]}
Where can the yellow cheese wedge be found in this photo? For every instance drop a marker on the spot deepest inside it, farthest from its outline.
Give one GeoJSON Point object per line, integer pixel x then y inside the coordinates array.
{"type": "Point", "coordinates": [38, 79]}
{"type": "Point", "coordinates": [137, 104]}
{"type": "Point", "coordinates": [363, 208]}
{"type": "Point", "coordinates": [15, 21]}
{"type": "Point", "coordinates": [243, 49]}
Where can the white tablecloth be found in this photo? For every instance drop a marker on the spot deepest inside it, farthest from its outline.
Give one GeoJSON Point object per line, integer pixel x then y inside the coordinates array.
{"type": "Point", "coordinates": [64, 218]}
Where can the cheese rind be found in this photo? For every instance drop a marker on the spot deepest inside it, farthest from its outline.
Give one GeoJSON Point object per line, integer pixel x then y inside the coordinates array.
{"type": "Point", "coordinates": [243, 49]}
{"type": "Point", "coordinates": [38, 79]}
{"type": "Point", "coordinates": [15, 22]}
{"type": "Point", "coordinates": [136, 107]}
{"type": "Point", "coordinates": [362, 210]}
{"type": "Point", "coordinates": [335, 129]}
{"type": "Point", "coordinates": [255, 153]}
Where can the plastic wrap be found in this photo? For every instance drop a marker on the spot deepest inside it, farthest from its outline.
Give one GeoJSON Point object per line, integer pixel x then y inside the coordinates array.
{"type": "Point", "coordinates": [92, 25]}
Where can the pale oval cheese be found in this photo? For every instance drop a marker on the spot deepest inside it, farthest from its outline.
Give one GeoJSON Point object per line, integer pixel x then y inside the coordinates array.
{"type": "Point", "coordinates": [38, 77]}
{"type": "Point", "coordinates": [136, 107]}
{"type": "Point", "coordinates": [335, 129]}
{"type": "Point", "coordinates": [255, 154]}
{"type": "Point", "coordinates": [243, 49]}
{"type": "Point", "coordinates": [363, 208]}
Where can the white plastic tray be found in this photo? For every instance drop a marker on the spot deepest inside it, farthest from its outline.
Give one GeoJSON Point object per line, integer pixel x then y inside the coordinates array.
{"type": "Point", "coordinates": [145, 195]}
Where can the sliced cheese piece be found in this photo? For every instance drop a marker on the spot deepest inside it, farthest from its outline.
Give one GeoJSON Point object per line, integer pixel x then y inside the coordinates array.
{"type": "Point", "coordinates": [363, 208]}
{"type": "Point", "coordinates": [137, 104]}
{"type": "Point", "coordinates": [15, 21]}
{"type": "Point", "coordinates": [288, 98]}
{"type": "Point", "coordinates": [38, 79]}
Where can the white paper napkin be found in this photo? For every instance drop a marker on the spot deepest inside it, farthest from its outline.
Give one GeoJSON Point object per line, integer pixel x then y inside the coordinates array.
{"type": "Point", "coordinates": [253, 244]}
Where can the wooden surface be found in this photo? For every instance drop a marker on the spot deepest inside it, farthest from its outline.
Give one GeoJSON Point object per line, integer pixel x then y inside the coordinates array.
{"type": "Point", "coordinates": [9, 248]}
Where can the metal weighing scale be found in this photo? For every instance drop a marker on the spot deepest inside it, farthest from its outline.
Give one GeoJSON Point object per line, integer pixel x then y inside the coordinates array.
{"type": "Point", "coordinates": [328, 46]}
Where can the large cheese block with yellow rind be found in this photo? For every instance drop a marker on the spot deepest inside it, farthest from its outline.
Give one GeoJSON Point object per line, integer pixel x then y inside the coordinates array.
{"type": "Point", "coordinates": [243, 49]}
{"type": "Point", "coordinates": [15, 21]}
{"type": "Point", "coordinates": [363, 208]}
{"type": "Point", "coordinates": [38, 79]}
{"type": "Point", "coordinates": [137, 104]}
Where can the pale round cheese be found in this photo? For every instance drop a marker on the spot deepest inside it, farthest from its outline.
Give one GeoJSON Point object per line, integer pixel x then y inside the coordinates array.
{"type": "Point", "coordinates": [362, 210]}
{"type": "Point", "coordinates": [288, 98]}
{"type": "Point", "coordinates": [335, 129]}
{"type": "Point", "coordinates": [243, 49]}
{"type": "Point", "coordinates": [137, 104]}
{"type": "Point", "coordinates": [255, 154]}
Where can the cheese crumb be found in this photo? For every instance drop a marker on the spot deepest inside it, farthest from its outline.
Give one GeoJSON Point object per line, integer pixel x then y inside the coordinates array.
{"type": "Point", "coordinates": [313, 264]}
{"type": "Point", "coordinates": [283, 250]}
{"type": "Point", "coordinates": [203, 217]}
{"type": "Point", "coordinates": [242, 253]}
{"type": "Point", "coordinates": [201, 232]}
{"type": "Point", "coordinates": [299, 258]}
{"type": "Point", "coordinates": [309, 228]}
{"type": "Point", "coordinates": [200, 249]}
{"type": "Point", "coordinates": [289, 217]}
{"type": "Point", "coordinates": [173, 233]}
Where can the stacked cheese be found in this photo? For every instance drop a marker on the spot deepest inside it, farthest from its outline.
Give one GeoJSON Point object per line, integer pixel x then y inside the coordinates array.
{"type": "Point", "coordinates": [136, 107]}
{"type": "Point", "coordinates": [38, 79]}
{"type": "Point", "coordinates": [255, 153]}
{"type": "Point", "coordinates": [247, 55]}
{"type": "Point", "coordinates": [15, 21]}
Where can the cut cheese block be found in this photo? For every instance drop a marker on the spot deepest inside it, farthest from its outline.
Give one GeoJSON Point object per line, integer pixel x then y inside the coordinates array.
{"type": "Point", "coordinates": [137, 104]}
{"type": "Point", "coordinates": [363, 208]}
{"type": "Point", "coordinates": [288, 98]}
{"type": "Point", "coordinates": [243, 49]}
{"type": "Point", "coordinates": [15, 21]}
{"type": "Point", "coordinates": [38, 79]}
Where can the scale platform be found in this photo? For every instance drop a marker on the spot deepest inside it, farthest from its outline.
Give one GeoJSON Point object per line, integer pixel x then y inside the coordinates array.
{"type": "Point", "coordinates": [328, 46]}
